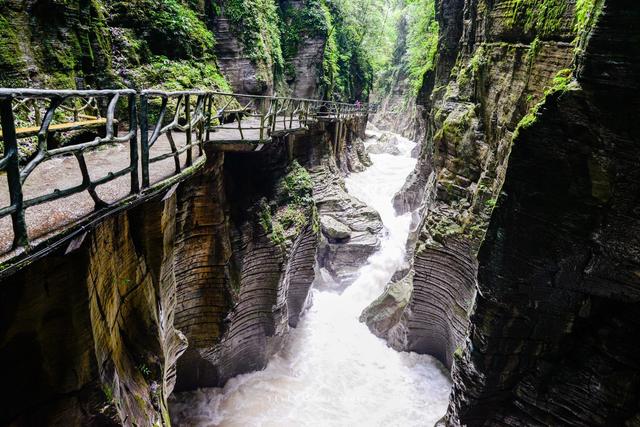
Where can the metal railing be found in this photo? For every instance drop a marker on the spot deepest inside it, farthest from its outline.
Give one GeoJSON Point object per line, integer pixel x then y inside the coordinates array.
{"type": "Point", "coordinates": [170, 126]}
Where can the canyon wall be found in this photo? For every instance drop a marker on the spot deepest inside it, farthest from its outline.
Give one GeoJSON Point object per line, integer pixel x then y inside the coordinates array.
{"type": "Point", "coordinates": [493, 67]}
{"type": "Point", "coordinates": [554, 331]}
{"type": "Point", "coordinates": [107, 44]}
{"type": "Point", "coordinates": [525, 273]}
{"type": "Point", "coordinates": [181, 291]}
{"type": "Point", "coordinates": [247, 47]}
{"type": "Point", "coordinates": [87, 337]}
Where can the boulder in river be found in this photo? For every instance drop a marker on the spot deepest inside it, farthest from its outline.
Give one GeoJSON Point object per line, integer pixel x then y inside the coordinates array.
{"type": "Point", "coordinates": [388, 143]}
{"type": "Point", "coordinates": [383, 316]}
{"type": "Point", "coordinates": [334, 229]}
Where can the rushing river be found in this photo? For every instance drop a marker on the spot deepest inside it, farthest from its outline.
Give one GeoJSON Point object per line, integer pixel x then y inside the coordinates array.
{"type": "Point", "coordinates": [332, 371]}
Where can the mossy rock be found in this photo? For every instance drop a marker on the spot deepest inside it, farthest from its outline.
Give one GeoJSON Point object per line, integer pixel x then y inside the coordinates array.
{"type": "Point", "coordinates": [12, 64]}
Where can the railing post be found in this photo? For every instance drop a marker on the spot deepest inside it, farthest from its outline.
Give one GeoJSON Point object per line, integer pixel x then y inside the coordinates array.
{"type": "Point", "coordinates": [133, 143]}
{"type": "Point", "coordinates": [144, 139]}
{"type": "Point", "coordinates": [262, 109]}
{"type": "Point", "coordinates": [209, 103]}
{"type": "Point", "coordinates": [20, 236]}
{"type": "Point", "coordinates": [202, 106]}
{"type": "Point", "coordinates": [187, 112]}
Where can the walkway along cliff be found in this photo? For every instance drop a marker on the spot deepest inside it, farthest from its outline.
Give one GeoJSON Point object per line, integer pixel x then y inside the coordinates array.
{"type": "Point", "coordinates": [187, 284]}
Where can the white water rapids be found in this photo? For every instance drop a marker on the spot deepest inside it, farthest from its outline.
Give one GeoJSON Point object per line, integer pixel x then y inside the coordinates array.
{"type": "Point", "coordinates": [332, 371]}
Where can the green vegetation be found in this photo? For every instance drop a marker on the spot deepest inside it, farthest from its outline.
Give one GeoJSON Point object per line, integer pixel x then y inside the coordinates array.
{"type": "Point", "coordinates": [169, 27]}
{"type": "Point", "coordinates": [144, 370]}
{"type": "Point", "coordinates": [411, 29]}
{"type": "Point", "coordinates": [541, 17]}
{"type": "Point", "coordinates": [108, 392]}
{"type": "Point", "coordinates": [117, 43]}
{"type": "Point", "coordinates": [422, 41]}
{"type": "Point", "coordinates": [561, 83]}
{"type": "Point", "coordinates": [163, 73]}
{"type": "Point", "coordinates": [11, 62]}
{"type": "Point", "coordinates": [534, 50]}
{"type": "Point", "coordinates": [457, 354]}
{"type": "Point", "coordinates": [298, 23]}
{"type": "Point", "coordinates": [169, 44]}
{"type": "Point", "coordinates": [491, 203]}
{"type": "Point", "coordinates": [587, 12]}
{"type": "Point", "coordinates": [256, 24]}
{"type": "Point", "coordinates": [292, 208]}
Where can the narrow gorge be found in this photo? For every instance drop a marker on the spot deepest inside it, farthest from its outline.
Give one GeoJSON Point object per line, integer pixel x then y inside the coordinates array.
{"type": "Point", "coordinates": [320, 213]}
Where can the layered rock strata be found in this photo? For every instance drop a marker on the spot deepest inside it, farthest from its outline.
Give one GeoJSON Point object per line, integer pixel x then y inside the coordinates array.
{"type": "Point", "coordinates": [553, 338]}
{"type": "Point", "coordinates": [505, 65]}
{"type": "Point", "coordinates": [217, 270]}
{"type": "Point", "coordinates": [305, 78]}
{"type": "Point", "coordinates": [245, 74]}
{"type": "Point", "coordinates": [249, 283]}
{"type": "Point", "coordinates": [87, 337]}
{"type": "Point", "coordinates": [531, 140]}
{"type": "Point", "coordinates": [350, 228]}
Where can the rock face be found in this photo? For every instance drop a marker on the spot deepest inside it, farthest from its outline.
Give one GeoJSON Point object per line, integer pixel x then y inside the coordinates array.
{"type": "Point", "coordinates": [522, 187]}
{"type": "Point", "coordinates": [244, 74]}
{"type": "Point", "coordinates": [218, 273]}
{"type": "Point", "coordinates": [554, 332]}
{"type": "Point", "coordinates": [503, 68]}
{"type": "Point", "coordinates": [202, 264]}
{"type": "Point", "coordinates": [243, 280]}
{"type": "Point", "coordinates": [386, 144]}
{"type": "Point", "coordinates": [305, 79]}
{"type": "Point", "coordinates": [88, 337]}
{"type": "Point", "coordinates": [333, 229]}
{"type": "Point", "coordinates": [383, 316]}
{"type": "Point", "coordinates": [327, 154]}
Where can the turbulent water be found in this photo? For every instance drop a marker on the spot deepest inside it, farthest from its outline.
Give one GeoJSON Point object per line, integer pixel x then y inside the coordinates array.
{"type": "Point", "coordinates": [332, 371]}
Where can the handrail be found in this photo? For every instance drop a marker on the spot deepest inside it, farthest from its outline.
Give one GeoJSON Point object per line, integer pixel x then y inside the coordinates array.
{"type": "Point", "coordinates": [199, 116]}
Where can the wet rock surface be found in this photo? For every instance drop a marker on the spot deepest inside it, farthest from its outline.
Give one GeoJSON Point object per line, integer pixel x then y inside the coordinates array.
{"type": "Point", "coordinates": [245, 74]}
{"type": "Point", "coordinates": [88, 336]}
{"type": "Point", "coordinates": [383, 315]}
{"type": "Point", "coordinates": [387, 143]}
{"type": "Point", "coordinates": [201, 273]}
{"type": "Point", "coordinates": [454, 188]}
{"type": "Point", "coordinates": [553, 340]}
{"type": "Point", "coordinates": [333, 229]}
{"type": "Point", "coordinates": [327, 162]}
{"type": "Point", "coordinates": [551, 287]}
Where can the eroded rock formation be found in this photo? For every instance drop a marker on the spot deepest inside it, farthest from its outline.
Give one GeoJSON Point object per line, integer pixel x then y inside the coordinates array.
{"type": "Point", "coordinates": [554, 332]}
{"type": "Point", "coordinates": [531, 140]}
{"type": "Point", "coordinates": [88, 336]}
{"type": "Point", "coordinates": [328, 154]}
{"type": "Point", "coordinates": [504, 67]}
{"type": "Point", "coordinates": [218, 268]}
{"type": "Point", "coordinates": [254, 246]}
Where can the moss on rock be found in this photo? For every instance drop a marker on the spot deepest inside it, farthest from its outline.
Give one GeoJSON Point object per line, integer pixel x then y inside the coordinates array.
{"type": "Point", "coordinates": [292, 208]}
{"type": "Point", "coordinates": [542, 17]}
{"type": "Point", "coordinates": [11, 60]}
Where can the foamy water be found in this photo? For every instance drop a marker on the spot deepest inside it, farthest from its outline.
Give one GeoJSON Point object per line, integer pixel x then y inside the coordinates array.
{"type": "Point", "coordinates": [332, 371]}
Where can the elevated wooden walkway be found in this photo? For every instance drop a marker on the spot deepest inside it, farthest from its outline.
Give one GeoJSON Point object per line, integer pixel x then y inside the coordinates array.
{"type": "Point", "coordinates": [69, 157]}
